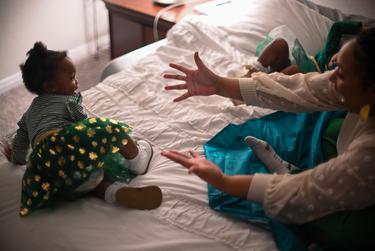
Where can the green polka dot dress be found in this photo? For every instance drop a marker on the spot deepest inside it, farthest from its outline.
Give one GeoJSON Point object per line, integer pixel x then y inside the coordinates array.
{"type": "Point", "coordinates": [64, 160]}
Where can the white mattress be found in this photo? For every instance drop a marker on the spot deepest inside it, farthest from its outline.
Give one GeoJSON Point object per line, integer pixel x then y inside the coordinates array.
{"type": "Point", "coordinates": [136, 96]}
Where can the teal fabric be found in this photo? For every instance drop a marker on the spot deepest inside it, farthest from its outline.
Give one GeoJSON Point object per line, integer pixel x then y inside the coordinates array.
{"type": "Point", "coordinates": [301, 58]}
{"type": "Point", "coordinates": [295, 137]}
{"type": "Point", "coordinates": [333, 41]}
{"type": "Point", "coordinates": [262, 44]}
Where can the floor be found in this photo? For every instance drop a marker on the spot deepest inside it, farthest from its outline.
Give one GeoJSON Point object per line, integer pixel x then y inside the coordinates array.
{"type": "Point", "coordinates": [15, 102]}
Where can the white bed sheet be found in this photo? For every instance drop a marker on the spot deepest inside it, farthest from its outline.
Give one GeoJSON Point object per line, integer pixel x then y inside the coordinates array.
{"type": "Point", "coordinates": [136, 96]}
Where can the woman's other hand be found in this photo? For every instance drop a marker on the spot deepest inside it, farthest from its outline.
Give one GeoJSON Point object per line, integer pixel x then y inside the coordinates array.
{"type": "Point", "coordinates": [199, 165]}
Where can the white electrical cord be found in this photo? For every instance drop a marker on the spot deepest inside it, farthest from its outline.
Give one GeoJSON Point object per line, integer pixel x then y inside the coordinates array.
{"type": "Point", "coordinates": [162, 11]}
{"type": "Point", "coordinates": [95, 24]}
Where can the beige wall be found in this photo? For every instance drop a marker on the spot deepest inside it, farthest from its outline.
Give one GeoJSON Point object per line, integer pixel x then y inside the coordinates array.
{"type": "Point", "coordinates": [67, 25]}
{"type": "Point", "coordinates": [60, 24]}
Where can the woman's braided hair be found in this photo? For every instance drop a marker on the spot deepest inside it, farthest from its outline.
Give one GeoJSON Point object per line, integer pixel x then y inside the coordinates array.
{"type": "Point", "coordinates": [365, 56]}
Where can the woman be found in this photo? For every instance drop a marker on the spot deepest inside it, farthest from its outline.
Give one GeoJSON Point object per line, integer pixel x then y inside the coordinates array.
{"type": "Point", "coordinates": [336, 197]}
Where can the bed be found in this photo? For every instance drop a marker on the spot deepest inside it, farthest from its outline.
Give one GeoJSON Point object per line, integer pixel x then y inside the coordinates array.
{"type": "Point", "coordinates": [132, 90]}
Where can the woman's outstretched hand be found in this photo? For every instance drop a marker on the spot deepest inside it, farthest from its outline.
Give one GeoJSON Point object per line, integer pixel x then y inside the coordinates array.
{"type": "Point", "coordinates": [236, 185]}
{"type": "Point", "coordinates": [203, 168]}
{"type": "Point", "coordinates": [199, 82]}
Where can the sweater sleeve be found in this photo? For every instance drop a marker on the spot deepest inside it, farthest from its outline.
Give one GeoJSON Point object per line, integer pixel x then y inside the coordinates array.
{"type": "Point", "coordinates": [346, 182]}
{"type": "Point", "coordinates": [297, 93]}
{"type": "Point", "coordinates": [20, 144]}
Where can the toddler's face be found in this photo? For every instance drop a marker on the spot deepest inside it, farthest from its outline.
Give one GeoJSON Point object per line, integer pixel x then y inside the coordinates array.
{"type": "Point", "coordinates": [65, 82]}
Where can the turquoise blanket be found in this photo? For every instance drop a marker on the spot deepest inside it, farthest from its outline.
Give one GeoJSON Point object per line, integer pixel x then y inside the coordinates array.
{"type": "Point", "coordinates": [295, 137]}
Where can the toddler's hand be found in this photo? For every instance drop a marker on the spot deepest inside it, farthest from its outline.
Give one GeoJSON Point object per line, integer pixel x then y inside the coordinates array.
{"type": "Point", "coordinates": [7, 151]}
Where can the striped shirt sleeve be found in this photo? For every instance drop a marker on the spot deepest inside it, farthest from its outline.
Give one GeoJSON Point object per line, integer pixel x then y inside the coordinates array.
{"type": "Point", "coordinates": [20, 144]}
{"type": "Point", "coordinates": [74, 105]}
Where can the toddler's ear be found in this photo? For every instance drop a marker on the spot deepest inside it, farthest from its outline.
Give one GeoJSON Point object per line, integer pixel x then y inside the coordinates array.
{"type": "Point", "coordinates": [48, 87]}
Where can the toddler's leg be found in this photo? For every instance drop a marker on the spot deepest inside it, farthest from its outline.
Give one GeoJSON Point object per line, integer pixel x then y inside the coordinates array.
{"type": "Point", "coordinates": [275, 56]}
{"type": "Point", "coordinates": [138, 155]}
{"type": "Point", "coordinates": [143, 198]}
{"type": "Point", "coordinates": [291, 69]}
{"type": "Point", "coordinates": [268, 156]}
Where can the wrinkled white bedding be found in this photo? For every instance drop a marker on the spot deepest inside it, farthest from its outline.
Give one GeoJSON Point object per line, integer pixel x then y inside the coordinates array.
{"type": "Point", "coordinates": [136, 96]}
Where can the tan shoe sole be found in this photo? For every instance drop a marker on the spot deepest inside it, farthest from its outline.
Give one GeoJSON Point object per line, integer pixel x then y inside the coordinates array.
{"type": "Point", "coordinates": [143, 198]}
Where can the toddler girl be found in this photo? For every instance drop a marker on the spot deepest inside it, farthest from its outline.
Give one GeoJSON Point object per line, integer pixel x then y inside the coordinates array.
{"type": "Point", "coordinates": [68, 149]}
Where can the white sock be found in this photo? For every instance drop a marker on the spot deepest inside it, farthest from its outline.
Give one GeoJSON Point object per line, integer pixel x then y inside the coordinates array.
{"type": "Point", "coordinates": [110, 192]}
{"type": "Point", "coordinates": [268, 156]}
{"type": "Point", "coordinates": [140, 163]}
{"type": "Point", "coordinates": [261, 68]}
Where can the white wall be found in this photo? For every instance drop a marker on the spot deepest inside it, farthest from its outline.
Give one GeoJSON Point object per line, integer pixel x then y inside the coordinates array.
{"type": "Point", "coordinates": [60, 24]}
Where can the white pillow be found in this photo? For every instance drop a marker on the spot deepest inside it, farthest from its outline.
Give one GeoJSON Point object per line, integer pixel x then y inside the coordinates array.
{"type": "Point", "coordinates": [261, 16]}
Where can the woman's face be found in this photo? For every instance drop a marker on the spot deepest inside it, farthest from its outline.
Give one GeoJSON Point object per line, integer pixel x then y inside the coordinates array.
{"type": "Point", "coordinates": [64, 82]}
{"type": "Point", "coordinates": [347, 80]}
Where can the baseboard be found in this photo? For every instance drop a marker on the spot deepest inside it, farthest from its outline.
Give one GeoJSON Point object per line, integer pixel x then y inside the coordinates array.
{"type": "Point", "coordinates": [86, 50]}
{"type": "Point", "coordinates": [76, 54]}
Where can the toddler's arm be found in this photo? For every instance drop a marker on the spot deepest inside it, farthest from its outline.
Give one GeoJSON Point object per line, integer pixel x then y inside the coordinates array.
{"type": "Point", "coordinates": [20, 144]}
{"type": "Point", "coordinates": [75, 108]}
{"type": "Point", "coordinates": [7, 151]}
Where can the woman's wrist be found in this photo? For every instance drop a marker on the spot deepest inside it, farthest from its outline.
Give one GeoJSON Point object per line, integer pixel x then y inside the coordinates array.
{"type": "Point", "coordinates": [236, 185]}
{"type": "Point", "coordinates": [219, 84]}
{"type": "Point", "coordinates": [229, 87]}
{"type": "Point", "coordinates": [219, 181]}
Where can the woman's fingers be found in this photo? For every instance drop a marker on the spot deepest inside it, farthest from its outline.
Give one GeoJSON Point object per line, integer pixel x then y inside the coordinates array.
{"type": "Point", "coordinates": [174, 76]}
{"type": "Point", "coordinates": [175, 87]}
{"type": "Point", "coordinates": [179, 67]}
{"type": "Point", "coordinates": [198, 61]}
{"type": "Point", "coordinates": [179, 153]}
{"type": "Point", "coordinates": [177, 157]}
{"type": "Point", "coordinates": [193, 154]}
{"type": "Point", "coordinates": [182, 97]}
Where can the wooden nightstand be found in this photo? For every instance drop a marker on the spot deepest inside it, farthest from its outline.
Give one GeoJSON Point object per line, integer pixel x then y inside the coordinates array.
{"type": "Point", "coordinates": [131, 22]}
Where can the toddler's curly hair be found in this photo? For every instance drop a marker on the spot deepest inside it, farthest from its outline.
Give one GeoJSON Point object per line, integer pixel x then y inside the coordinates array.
{"type": "Point", "coordinates": [40, 66]}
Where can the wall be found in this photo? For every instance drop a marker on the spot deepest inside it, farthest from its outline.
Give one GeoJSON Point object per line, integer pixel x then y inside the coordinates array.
{"type": "Point", "coordinates": [68, 25]}
{"type": "Point", "coordinates": [359, 7]}
{"type": "Point", "coordinates": [60, 24]}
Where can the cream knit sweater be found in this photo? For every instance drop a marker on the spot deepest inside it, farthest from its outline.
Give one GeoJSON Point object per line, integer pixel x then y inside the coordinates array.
{"type": "Point", "coordinates": [346, 182]}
